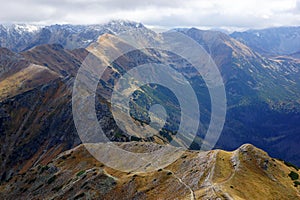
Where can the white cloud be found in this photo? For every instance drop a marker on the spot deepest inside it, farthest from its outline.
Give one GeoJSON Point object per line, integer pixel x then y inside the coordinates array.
{"type": "Point", "coordinates": [160, 13]}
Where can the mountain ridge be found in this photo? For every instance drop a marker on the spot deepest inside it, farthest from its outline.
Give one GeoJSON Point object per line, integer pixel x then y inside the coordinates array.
{"type": "Point", "coordinates": [244, 173]}
{"type": "Point", "coordinates": [21, 37]}
{"type": "Point", "coordinates": [271, 41]}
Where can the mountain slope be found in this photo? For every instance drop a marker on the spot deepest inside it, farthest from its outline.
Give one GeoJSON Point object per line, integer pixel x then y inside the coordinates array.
{"type": "Point", "coordinates": [255, 74]}
{"type": "Point", "coordinates": [35, 121]}
{"type": "Point", "coordinates": [262, 95]}
{"type": "Point", "coordinates": [26, 79]}
{"type": "Point", "coordinates": [246, 173]}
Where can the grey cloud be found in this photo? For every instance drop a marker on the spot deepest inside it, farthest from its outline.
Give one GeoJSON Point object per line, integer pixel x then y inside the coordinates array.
{"type": "Point", "coordinates": [134, 4]}
{"type": "Point", "coordinates": [160, 13]}
{"type": "Point", "coordinates": [297, 8]}
{"type": "Point", "coordinates": [211, 20]}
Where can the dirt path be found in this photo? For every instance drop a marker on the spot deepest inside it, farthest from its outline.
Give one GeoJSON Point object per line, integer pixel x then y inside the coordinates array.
{"type": "Point", "coordinates": [182, 182]}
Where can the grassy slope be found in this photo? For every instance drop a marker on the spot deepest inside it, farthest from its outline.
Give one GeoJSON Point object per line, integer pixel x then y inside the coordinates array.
{"type": "Point", "coordinates": [26, 79]}
{"type": "Point", "coordinates": [247, 173]}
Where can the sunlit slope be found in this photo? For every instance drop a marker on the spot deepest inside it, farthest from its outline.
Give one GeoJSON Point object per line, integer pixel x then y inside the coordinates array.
{"type": "Point", "coordinates": [246, 173]}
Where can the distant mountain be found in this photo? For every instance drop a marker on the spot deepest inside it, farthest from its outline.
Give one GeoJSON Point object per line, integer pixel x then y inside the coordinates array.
{"type": "Point", "coordinates": [246, 173]}
{"type": "Point", "coordinates": [296, 55]}
{"type": "Point", "coordinates": [271, 41]}
{"type": "Point", "coordinates": [16, 37]}
{"type": "Point", "coordinates": [23, 37]}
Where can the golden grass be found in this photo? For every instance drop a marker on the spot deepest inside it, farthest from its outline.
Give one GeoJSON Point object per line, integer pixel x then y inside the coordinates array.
{"type": "Point", "coordinates": [25, 80]}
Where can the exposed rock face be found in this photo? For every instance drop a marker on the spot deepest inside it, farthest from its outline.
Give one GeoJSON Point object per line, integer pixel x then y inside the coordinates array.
{"type": "Point", "coordinates": [246, 173]}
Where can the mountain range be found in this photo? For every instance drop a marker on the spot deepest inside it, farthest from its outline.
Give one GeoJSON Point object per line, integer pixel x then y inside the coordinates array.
{"type": "Point", "coordinates": [38, 66]}
{"type": "Point", "coordinates": [20, 37]}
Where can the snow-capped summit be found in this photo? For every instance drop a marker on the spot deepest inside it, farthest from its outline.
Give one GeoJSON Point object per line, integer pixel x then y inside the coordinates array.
{"type": "Point", "coordinates": [22, 28]}
{"type": "Point", "coordinates": [19, 37]}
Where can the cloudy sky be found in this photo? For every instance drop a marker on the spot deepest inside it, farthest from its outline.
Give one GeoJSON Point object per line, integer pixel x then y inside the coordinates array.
{"type": "Point", "coordinates": [232, 14]}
